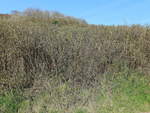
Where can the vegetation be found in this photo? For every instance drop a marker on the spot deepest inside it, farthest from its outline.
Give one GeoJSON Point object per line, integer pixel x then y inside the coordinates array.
{"type": "Point", "coordinates": [52, 63]}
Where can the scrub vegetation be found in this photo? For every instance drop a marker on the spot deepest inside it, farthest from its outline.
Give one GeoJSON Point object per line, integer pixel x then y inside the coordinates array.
{"type": "Point", "coordinates": [52, 63]}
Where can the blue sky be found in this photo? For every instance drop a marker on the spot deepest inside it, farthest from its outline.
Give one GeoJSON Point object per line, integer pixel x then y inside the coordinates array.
{"type": "Point", "coordinates": [108, 12]}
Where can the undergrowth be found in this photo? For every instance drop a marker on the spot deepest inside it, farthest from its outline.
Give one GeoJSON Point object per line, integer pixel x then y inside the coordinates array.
{"type": "Point", "coordinates": [52, 63]}
{"type": "Point", "coordinates": [127, 92]}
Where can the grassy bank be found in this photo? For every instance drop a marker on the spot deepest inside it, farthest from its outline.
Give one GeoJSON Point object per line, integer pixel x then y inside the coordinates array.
{"type": "Point", "coordinates": [126, 92]}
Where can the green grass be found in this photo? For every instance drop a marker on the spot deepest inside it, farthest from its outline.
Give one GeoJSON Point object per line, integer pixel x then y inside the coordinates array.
{"type": "Point", "coordinates": [126, 93]}
{"type": "Point", "coordinates": [10, 102]}
{"type": "Point", "coordinates": [81, 111]}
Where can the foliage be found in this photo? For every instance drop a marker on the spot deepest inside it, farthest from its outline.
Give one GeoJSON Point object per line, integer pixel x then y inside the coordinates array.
{"type": "Point", "coordinates": [10, 102]}
{"type": "Point", "coordinates": [53, 55]}
{"type": "Point", "coordinates": [127, 92]}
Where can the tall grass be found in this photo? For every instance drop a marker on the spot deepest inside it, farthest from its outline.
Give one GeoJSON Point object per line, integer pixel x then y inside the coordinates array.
{"type": "Point", "coordinates": [128, 92]}
{"type": "Point", "coordinates": [47, 56]}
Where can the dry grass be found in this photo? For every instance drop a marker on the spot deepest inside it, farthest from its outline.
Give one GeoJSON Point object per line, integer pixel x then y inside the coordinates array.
{"type": "Point", "coordinates": [66, 56]}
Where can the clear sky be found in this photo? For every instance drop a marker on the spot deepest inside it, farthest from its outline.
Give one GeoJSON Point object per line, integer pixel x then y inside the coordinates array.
{"type": "Point", "coordinates": [108, 12]}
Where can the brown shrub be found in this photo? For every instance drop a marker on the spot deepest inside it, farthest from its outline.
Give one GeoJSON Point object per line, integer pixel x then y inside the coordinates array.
{"type": "Point", "coordinates": [31, 47]}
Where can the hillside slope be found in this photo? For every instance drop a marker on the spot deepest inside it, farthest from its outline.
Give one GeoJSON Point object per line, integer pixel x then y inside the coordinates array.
{"type": "Point", "coordinates": [42, 52]}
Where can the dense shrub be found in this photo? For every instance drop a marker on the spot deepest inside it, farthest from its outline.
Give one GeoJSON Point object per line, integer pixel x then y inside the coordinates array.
{"type": "Point", "coordinates": [68, 48]}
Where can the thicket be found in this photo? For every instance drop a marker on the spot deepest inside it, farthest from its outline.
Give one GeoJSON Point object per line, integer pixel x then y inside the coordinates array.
{"type": "Point", "coordinates": [59, 46]}
{"type": "Point", "coordinates": [61, 62]}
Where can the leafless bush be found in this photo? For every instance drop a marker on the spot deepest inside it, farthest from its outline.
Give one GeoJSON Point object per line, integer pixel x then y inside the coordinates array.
{"type": "Point", "coordinates": [69, 50]}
